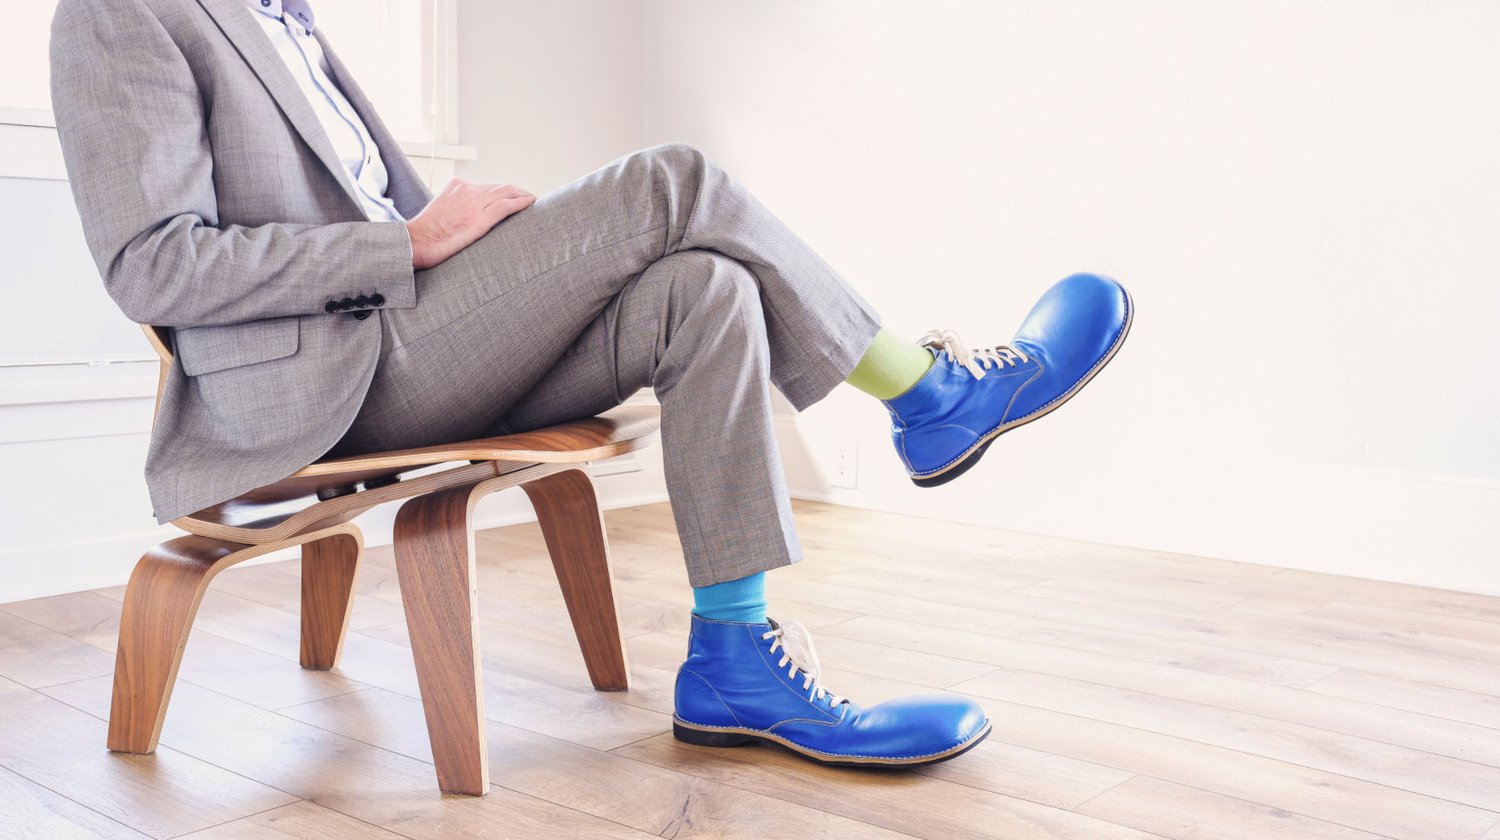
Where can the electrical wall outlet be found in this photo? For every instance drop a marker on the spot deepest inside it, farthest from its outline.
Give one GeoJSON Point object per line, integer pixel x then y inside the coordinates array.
{"type": "Point", "coordinates": [845, 463]}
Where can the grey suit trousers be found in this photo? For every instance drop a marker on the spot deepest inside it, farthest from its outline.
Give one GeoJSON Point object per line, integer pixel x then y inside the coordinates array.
{"type": "Point", "coordinates": [658, 269]}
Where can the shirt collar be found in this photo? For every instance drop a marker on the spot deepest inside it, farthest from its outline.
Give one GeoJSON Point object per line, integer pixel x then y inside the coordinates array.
{"type": "Point", "coordinates": [300, 10]}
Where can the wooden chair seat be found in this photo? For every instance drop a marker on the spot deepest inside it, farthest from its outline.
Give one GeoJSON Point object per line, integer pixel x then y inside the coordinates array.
{"type": "Point", "coordinates": [434, 550]}
{"type": "Point", "coordinates": [291, 506]}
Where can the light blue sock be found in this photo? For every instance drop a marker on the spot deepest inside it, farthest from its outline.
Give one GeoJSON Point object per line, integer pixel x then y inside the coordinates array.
{"type": "Point", "coordinates": [733, 600]}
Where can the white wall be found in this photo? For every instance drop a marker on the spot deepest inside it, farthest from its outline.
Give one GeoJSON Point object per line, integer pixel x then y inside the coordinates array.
{"type": "Point", "coordinates": [548, 91]}
{"type": "Point", "coordinates": [1302, 197]}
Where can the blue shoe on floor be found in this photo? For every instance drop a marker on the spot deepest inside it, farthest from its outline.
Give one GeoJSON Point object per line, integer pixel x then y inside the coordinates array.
{"type": "Point", "coordinates": [942, 424]}
{"type": "Point", "coordinates": [744, 683]}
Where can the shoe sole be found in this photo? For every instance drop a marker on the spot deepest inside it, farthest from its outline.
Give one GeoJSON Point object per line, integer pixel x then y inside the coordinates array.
{"type": "Point", "coordinates": [976, 451]}
{"type": "Point", "coordinates": [729, 736]}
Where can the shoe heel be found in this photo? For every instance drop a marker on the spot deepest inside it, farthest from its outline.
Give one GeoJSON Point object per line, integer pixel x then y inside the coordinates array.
{"type": "Point", "coordinates": [707, 738]}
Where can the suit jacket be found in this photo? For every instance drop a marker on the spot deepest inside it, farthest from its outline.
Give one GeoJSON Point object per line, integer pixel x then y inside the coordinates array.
{"type": "Point", "coordinates": [214, 204]}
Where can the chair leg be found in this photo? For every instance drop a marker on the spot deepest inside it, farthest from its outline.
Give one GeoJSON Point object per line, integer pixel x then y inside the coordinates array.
{"type": "Point", "coordinates": [160, 602]}
{"type": "Point", "coordinates": [435, 564]}
{"type": "Point", "coordinates": [568, 511]}
{"type": "Point", "coordinates": [329, 567]}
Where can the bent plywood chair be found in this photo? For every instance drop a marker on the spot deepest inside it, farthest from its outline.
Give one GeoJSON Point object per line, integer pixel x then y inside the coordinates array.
{"type": "Point", "coordinates": [434, 548]}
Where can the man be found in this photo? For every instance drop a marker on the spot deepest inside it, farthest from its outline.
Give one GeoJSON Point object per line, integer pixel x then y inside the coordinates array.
{"type": "Point", "coordinates": [236, 185]}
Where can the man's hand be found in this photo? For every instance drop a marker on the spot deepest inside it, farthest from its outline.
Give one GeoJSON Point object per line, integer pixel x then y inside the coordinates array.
{"type": "Point", "coordinates": [458, 215]}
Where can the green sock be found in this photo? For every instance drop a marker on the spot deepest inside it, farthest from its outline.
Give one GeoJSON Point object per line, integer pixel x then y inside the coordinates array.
{"type": "Point", "coordinates": [890, 366]}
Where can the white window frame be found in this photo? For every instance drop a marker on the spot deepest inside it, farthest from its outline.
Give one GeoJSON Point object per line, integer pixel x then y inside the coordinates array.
{"type": "Point", "coordinates": [28, 136]}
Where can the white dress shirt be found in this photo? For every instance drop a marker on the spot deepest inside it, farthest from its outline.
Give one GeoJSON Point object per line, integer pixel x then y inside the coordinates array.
{"type": "Point", "coordinates": [289, 25]}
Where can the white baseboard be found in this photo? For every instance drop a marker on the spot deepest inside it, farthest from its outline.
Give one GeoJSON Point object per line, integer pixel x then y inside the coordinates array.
{"type": "Point", "coordinates": [1280, 510]}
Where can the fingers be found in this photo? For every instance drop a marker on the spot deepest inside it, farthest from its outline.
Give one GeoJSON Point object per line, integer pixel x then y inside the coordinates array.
{"type": "Point", "coordinates": [506, 199]}
{"type": "Point", "coordinates": [467, 202]}
{"type": "Point", "coordinates": [503, 207]}
{"type": "Point", "coordinates": [499, 191]}
{"type": "Point", "coordinates": [487, 192]}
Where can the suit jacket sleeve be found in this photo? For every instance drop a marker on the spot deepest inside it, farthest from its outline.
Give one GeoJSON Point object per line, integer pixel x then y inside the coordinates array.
{"type": "Point", "coordinates": [132, 125]}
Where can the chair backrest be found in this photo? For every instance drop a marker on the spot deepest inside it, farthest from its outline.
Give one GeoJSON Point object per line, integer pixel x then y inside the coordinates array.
{"type": "Point", "coordinates": [161, 342]}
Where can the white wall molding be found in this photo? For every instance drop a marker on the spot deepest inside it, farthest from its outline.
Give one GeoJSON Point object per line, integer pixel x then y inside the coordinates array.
{"type": "Point", "coordinates": [30, 151]}
{"type": "Point", "coordinates": [29, 148]}
{"type": "Point", "coordinates": [76, 380]}
{"type": "Point", "coordinates": [1406, 526]}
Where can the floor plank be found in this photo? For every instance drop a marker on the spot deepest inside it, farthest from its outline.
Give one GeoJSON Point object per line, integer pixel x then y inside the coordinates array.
{"type": "Point", "coordinates": [917, 804]}
{"type": "Point", "coordinates": [31, 810]}
{"type": "Point", "coordinates": [298, 821]}
{"type": "Point", "coordinates": [1334, 714]}
{"type": "Point", "coordinates": [580, 714]}
{"type": "Point", "coordinates": [1460, 781]}
{"type": "Point", "coordinates": [210, 660]}
{"type": "Point", "coordinates": [651, 799]}
{"type": "Point", "coordinates": [34, 656]}
{"type": "Point", "coordinates": [1196, 653]}
{"type": "Point", "coordinates": [1184, 813]}
{"type": "Point", "coordinates": [1333, 797]}
{"type": "Point", "coordinates": [377, 786]}
{"type": "Point", "coordinates": [1407, 596]}
{"type": "Point", "coordinates": [1450, 703]}
{"type": "Point", "coordinates": [161, 795]}
{"type": "Point", "coordinates": [87, 617]}
{"type": "Point", "coordinates": [1290, 639]}
{"type": "Point", "coordinates": [1388, 617]}
{"type": "Point", "coordinates": [280, 588]}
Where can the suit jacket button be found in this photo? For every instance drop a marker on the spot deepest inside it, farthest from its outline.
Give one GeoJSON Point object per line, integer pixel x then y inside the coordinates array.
{"type": "Point", "coordinates": [361, 315]}
{"type": "Point", "coordinates": [331, 306]}
{"type": "Point", "coordinates": [377, 299]}
{"type": "Point", "coordinates": [346, 303]}
{"type": "Point", "coordinates": [362, 300]}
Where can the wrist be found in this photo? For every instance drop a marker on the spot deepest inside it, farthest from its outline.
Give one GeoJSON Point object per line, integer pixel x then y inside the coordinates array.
{"type": "Point", "coordinates": [411, 248]}
{"type": "Point", "coordinates": [417, 241]}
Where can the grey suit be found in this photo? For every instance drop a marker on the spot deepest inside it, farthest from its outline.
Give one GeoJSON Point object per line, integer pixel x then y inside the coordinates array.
{"type": "Point", "coordinates": [211, 204]}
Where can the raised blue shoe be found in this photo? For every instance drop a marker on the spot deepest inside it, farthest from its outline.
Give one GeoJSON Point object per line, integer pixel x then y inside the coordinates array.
{"type": "Point", "coordinates": [744, 683]}
{"type": "Point", "coordinates": [944, 423]}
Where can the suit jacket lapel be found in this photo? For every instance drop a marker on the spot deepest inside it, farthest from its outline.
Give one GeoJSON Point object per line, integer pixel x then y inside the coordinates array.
{"type": "Point", "coordinates": [245, 33]}
{"type": "Point", "coordinates": [405, 189]}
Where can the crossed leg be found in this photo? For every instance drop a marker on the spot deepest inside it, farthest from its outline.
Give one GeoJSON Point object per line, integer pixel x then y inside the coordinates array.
{"type": "Point", "coordinates": [691, 327]}
{"type": "Point", "coordinates": [657, 268]}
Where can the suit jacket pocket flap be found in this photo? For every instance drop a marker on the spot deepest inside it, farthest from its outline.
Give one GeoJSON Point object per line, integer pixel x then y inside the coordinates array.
{"type": "Point", "coordinates": [220, 346]}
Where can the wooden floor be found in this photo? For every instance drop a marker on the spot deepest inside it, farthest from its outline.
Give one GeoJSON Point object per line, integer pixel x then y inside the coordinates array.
{"type": "Point", "coordinates": [1134, 694]}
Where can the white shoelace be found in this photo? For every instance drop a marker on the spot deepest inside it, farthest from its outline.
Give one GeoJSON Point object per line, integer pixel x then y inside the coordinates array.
{"type": "Point", "coordinates": [977, 361]}
{"type": "Point", "coordinates": [797, 652]}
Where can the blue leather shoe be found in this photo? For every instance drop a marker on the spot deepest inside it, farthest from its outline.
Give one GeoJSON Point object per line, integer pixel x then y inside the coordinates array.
{"type": "Point", "coordinates": [744, 683]}
{"type": "Point", "coordinates": [944, 423]}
